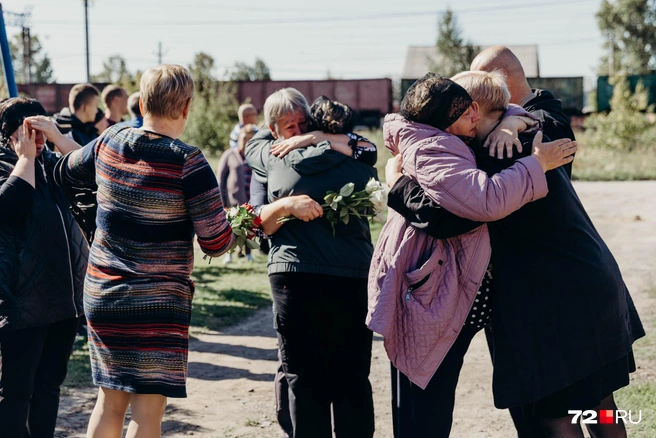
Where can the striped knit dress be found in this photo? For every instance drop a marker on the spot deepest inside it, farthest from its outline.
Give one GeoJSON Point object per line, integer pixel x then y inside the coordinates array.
{"type": "Point", "coordinates": [154, 194]}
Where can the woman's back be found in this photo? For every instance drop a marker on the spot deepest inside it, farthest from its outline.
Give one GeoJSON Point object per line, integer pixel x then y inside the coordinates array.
{"type": "Point", "coordinates": [144, 227]}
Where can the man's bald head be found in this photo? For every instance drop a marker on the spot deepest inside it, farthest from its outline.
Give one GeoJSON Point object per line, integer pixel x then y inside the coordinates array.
{"type": "Point", "coordinates": [498, 58]}
{"type": "Point", "coordinates": [502, 59]}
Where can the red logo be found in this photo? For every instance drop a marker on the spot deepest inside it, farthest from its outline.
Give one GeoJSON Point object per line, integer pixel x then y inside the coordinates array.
{"type": "Point", "coordinates": [606, 417]}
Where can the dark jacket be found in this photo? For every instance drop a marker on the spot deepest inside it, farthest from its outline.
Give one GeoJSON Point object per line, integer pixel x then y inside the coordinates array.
{"type": "Point", "coordinates": [81, 133]}
{"type": "Point", "coordinates": [555, 123]}
{"type": "Point", "coordinates": [561, 309]}
{"type": "Point", "coordinates": [311, 246]}
{"type": "Point", "coordinates": [43, 254]}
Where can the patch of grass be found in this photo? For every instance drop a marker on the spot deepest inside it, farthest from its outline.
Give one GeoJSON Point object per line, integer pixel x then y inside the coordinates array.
{"type": "Point", "coordinates": [79, 366]}
{"type": "Point", "coordinates": [226, 294]}
{"type": "Point", "coordinates": [639, 396]}
{"type": "Point", "coordinates": [599, 164]}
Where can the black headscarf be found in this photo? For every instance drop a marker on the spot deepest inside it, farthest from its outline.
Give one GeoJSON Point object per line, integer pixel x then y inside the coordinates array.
{"type": "Point", "coordinates": [436, 101]}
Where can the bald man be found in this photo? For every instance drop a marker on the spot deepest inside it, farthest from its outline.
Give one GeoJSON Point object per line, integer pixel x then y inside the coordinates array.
{"type": "Point", "coordinates": [540, 103]}
{"type": "Point", "coordinates": [543, 105]}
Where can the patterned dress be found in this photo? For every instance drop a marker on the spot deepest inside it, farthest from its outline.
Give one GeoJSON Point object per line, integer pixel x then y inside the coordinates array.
{"type": "Point", "coordinates": [154, 194]}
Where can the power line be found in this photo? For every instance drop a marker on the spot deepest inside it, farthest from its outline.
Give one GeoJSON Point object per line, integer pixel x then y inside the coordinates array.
{"type": "Point", "coordinates": [315, 19]}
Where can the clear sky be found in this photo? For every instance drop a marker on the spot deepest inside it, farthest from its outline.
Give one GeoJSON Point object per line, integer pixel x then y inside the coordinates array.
{"type": "Point", "coordinates": [299, 39]}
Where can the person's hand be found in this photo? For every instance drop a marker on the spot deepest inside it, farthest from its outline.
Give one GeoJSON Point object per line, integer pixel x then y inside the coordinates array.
{"type": "Point", "coordinates": [45, 125]}
{"type": "Point", "coordinates": [303, 207]}
{"type": "Point", "coordinates": [25, 146]}
{"type": "Point", "coordinates": [284, 147]}
{"type": "Point", "coordinates": [553, 154]}
{"type": "Point", "coordinates": [393, 170]}
{"type": "Point", "coordinates": [503, 139]}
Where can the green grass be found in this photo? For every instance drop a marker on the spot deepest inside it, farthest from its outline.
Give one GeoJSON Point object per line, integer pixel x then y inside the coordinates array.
{"type": "Point", "coordinates": [226, 294]}
{"type": "Point", "coordinates": [79, 366]}
{"type": "Point", "coordinates": [599, 164]}
{"type": "Point", "coordinates": [640, 395]}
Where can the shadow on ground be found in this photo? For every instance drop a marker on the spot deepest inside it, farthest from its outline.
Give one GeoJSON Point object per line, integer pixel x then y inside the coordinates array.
{"type": "Point", "coordinates": [208, 371]}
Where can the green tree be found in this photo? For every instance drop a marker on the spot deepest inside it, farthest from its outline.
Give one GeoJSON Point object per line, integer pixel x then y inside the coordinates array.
{"type": "Point", "coordinates": [626, 126]}
{"type": "Point", "coordinates": [213, 110]}
{"type": "Point", "coordinates": [257, 72]}
{"type": "Point", "coordinates": [41, 68]}
{"type": "Point", "coordinates": [629, 27]}
{"type": "Point", "coordinates": [455, 54]}
{"type": "Point", "coordinates": [115, 71]}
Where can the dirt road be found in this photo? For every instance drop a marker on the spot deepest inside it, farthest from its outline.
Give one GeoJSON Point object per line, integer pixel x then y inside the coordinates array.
{"type": "Point", "coordinates": [230, 389]}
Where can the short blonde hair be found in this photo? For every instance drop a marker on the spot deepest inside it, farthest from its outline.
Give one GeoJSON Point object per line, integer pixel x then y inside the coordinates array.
{"type": "Point", "coordinates": [489, 89]}
{"type": "Point", "coordinates": [166, 90]}
{"type": "Point", "coordinates": [282, 103]}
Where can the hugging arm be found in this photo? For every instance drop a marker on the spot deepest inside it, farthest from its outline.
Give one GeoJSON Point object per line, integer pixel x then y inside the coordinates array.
{"type": "Point", "coordinates": [302, 206]}
{"type": "Point", "coordinates": [408, 199]}
{"type": "Point", "coordinates": [351, 145]}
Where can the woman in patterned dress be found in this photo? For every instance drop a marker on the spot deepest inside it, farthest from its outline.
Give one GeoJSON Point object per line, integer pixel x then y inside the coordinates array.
{"type": "Point", "coordinates": [154, 193]}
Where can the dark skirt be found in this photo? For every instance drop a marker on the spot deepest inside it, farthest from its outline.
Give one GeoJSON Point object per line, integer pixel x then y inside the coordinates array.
{"type": "Point", "coordinates": [588, 392]}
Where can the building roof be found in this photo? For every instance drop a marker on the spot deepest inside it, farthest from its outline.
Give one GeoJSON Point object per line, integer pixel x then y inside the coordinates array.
{"type": "Point", "coordinates": [420, 58]}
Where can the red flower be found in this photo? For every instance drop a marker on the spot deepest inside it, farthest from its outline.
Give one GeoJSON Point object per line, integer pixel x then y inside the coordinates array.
{"type": "Point", "coordinates": [249, 207]}
{"type": "Point", "coordinates": [257, 221]}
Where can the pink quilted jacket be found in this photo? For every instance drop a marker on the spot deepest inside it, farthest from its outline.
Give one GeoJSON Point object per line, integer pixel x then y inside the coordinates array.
{"type": "Point", "coordinates": [421, 289]}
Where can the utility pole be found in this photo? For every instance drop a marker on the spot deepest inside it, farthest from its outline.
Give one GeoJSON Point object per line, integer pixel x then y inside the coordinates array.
{"type": "Point", "coordinates": [611, 58]}
{"type": "Point", "coordinates": [23, 21]}
{"type": "Point", "coordinates": [86, 28]}
{"type": "Point", "coordinates": [160, 54]}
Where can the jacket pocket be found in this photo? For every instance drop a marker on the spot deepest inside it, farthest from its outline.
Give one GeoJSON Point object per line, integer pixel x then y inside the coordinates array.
{"type": "Point", "coordinates": [422, 283]}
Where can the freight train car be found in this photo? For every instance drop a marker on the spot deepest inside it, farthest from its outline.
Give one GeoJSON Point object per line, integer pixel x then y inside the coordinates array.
{"type": "Point", "coordinates": [53, 97]}
{"type": "Point", "coordinates": [371, 99]}
{"type": "Point", "coordinates": [605, 89]}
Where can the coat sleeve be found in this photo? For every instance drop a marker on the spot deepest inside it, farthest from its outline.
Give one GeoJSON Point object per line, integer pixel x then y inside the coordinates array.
{"type": "Point", "coordinates": [257, 154]}
{"type": "Point", "coordinates": [452, 181]}
{"type": "Point", "coordinates": [16, 196]}
{"type": "Point", "coordinates": [203, 200]}
{"type": "Point", "coordinates": [408, 199]}
{"type": "Point", "coordinates": [78, 168]}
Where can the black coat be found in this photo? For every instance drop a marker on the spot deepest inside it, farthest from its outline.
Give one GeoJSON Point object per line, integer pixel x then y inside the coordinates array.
{"type": "Point", "coordinates": [555, 123]}
{"type": "Point", "coordinates": [43, 254]}
{"type": "Point", "coordinates": [561, 308]}
{"type": "Point", "coordinates": [81, 133]}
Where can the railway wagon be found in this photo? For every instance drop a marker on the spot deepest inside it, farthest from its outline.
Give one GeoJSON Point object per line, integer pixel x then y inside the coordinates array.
{"type": "Point", "coordinates": [371, 99]}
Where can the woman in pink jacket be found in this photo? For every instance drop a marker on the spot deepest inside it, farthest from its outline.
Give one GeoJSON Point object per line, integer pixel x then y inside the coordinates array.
{"type": "Point", "coordinates": [423, 329]}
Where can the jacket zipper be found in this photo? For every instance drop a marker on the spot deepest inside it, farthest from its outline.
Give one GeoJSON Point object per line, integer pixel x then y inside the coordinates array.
{"type": "Point", "coordinates": [68, 248]}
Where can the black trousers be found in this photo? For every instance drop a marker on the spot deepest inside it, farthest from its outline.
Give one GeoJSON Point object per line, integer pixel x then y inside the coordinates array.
{"type": "Point", "coordinates": [325, 348]}
{"type": "Point", "coordinates": [428, 413]}
{"type": "Point", "coordinates": [32, 368]}
{"type": "Point", "coordinates": [281, 389]}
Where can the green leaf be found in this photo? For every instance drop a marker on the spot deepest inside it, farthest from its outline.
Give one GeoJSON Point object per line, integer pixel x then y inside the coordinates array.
{"type": "Point", "coordinates": [343, 212]}
{"type": "Point", "coordinates": [345, 219]}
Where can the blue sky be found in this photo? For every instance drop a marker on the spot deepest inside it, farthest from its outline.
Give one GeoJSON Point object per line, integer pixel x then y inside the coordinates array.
{"type": "Point", "coordinates": [304, 40]}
